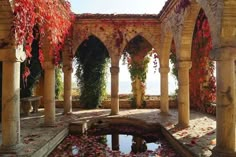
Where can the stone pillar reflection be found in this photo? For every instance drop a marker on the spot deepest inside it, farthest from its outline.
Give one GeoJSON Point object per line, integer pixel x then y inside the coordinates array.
{"type": "Point", "coordinates": [49, 93]}
{"type": "Point", "coordinates": [67, 89]}
{"type": "Point", "coordinates": [115, 141]}
{"type": "Point", "coordinates": [225, 103]}
{"type": "Point", "coordinates": [114, 90]}
{"type": "Point", "coordinates": [164, 100]}
{"type": "Point", "coordinates": [183, 93]}
{"type": "Point", "coordinates": [10, 106]}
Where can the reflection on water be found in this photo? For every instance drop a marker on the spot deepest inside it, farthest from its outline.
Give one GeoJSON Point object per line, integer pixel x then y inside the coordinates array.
{"type": "Point", "coordinates": [129, 143]}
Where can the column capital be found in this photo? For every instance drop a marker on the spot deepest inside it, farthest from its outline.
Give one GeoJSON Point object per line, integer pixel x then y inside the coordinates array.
{"type": "Point", "coordinates": [114, 70]}
{"type": "Point", "coordinates": [223, 53]}
{"type": "Point", "coordinates": [12, 55]}
{"type": "Point", "coordinates": [67, 68]}
{"type": "Point", "coordinates": [184, 64]}
{"type": "Point", "coordinates": [164, 69]}
{"type": "Point", "coordinates": [48, 65]}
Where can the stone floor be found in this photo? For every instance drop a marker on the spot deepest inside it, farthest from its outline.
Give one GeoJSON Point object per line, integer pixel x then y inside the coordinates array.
{"type": "Point", "coordinates": [38, 140]}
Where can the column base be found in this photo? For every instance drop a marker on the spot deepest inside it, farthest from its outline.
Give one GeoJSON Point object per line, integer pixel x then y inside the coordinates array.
{"type": "Point", "coordinates": [68, 113]}
{"type": "Point", "coordinates": [165, 113]}
{"type": "Point", "coordinates": [10, 149]}
{"type": "Point", "coordinates": [217, 152]}
{"type": "Point", "coordinates": [49, 125]}
{"type": "Point", "coordinates": [114, 113]}
{"type": "Point", "coordinates": [183, 126]}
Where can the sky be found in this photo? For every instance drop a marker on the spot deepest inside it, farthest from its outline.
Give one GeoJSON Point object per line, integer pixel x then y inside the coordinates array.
{"type": "Point", "coordinates": [117, 6]}
{"type": "Point", "coordinates": [126, 7]}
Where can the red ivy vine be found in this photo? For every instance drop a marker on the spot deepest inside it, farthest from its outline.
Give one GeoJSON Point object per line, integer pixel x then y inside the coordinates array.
{"type": "Point", "coordinates": [53, 18]}
{"type": "Point", "coordinates": [202, 79]}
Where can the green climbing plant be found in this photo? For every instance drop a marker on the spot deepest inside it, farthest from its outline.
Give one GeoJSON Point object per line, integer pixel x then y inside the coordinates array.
{"type": "Point", "coordinates": [92, 60]}
{"type": "Point", "coordinates": [138, 74]}
{"type": "Point", "coordinates": [137, 53]}
{"type": "Point", "coordinates": [58, 83]}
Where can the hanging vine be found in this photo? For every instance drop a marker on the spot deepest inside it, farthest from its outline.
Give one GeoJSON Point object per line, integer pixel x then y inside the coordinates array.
{"type": "Point", "coordinates": [92, 61]}
{"type": "Point", "coordinates": [138, 72]}
{"type": "Point", "coordinates": [34, 21]}
{"type": "Point", "coordinates": [138, 53]}
{"type": "Point", "coordinates": [53, 17]}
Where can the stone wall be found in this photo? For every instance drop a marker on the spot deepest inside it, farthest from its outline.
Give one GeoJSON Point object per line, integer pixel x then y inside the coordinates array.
{"type": "Point", "coordinates": [124, 104]}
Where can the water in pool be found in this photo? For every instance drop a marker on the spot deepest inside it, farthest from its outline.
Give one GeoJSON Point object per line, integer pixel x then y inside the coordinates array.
{"type": "Point", "coordinates": [112, 146]}
{"type": "Point", "coordinates": [128, 143]}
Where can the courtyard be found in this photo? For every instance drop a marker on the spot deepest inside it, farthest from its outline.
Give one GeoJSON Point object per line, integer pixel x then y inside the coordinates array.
{"type": "Point", "coordinates": [43, 42]}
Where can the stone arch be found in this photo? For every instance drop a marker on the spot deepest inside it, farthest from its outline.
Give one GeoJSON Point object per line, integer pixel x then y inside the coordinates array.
{"type": "Point", "coordinates": [213, 11]}
{"type": "Point", "coordinates": [167, 38]}
{"type": "Point", "coordinates": [187, 32]}
{"type": "Point", "coordinates": [137, 36]}
{"type": "Point", "coordinates": [147, 36]}
{"type": "Point", "coordinates": [189, 24]}
{"type": "Point", "coordinates": [77, 44]}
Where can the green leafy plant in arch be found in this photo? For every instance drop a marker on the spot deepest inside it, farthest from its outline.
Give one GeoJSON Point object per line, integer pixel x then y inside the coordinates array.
{"type": "Point", "coordinates": [137, 53]}
{"type": "Point", "coordinates": [92, 60]}
{"type": "Point", "coordinates": [138, 74]}
{"type": "Point", "coordinates": [59, 84]}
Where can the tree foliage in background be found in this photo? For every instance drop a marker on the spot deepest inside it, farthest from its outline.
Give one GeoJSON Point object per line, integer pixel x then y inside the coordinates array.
{"type": "Point", "coordinates": [92, 60]}
{"type": "Point", "coordinates": [58, 83]}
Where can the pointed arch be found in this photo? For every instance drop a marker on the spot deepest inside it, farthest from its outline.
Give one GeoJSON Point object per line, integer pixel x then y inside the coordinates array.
{"type": "Point", "coordinates": [189, 25]}
{"type": "Point", "coordinates": [92, 38]}
{"type": "Point", "coordinates": [77, 43]}
{"type": "Point", "coordinates": [187, 32]}
{"type": "Point", "coordinates": [92, 58]}
{"type": "Point", "coordinates": [138, 43]}
{"type": "Point", "coordinates": [213, 10]}
{"type": "Point", "coordinates": [167, 39]}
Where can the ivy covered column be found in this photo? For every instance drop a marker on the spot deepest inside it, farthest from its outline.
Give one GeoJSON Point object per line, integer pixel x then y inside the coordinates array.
{"type": "Point", "coordinates": [10, 106]}
{"type": "Point", "coordinates": [183, 93]}
{"type": "Point", "coordinates": [225, 102]}
{"type": "Point", "coordinates": [164, 102]}
{"type": "Point", "coordinates": [67, 69]}
{"type": "Point", "coordinates": [49, 93]}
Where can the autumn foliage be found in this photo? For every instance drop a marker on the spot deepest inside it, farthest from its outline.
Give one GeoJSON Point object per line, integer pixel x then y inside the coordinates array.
{"type": "Point", "coordinates": [202, 79]}
{"type": "Point", "coordinates": [52, 17]}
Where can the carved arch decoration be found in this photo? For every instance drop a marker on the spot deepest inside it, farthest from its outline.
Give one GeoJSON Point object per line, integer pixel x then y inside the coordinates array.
{"type": "Point", "coordinates": [83, 34]}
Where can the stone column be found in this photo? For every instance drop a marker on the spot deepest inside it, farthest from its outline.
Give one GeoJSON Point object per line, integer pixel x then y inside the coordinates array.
{"type": "Point", "coordinates": [114, 90]}
{"type": "Point", "coordinates": [183, 93]}
{"type": "Point", "coordinates": [164, 103]}
{"type": "Point", "coordinates": [49, 93]}
{"type": "Point", "coordinates": [225, 103]}
{"type": "Point", "coordinates": [10, 106]}
{"type": "Point", "coordinates": [115, 141]}
{"type": "Point", "coordinates": [67, 69]}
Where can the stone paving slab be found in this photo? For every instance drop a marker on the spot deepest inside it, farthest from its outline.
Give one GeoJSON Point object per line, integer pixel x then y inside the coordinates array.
{"type": "Point", "coordinates": [199, 137]}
